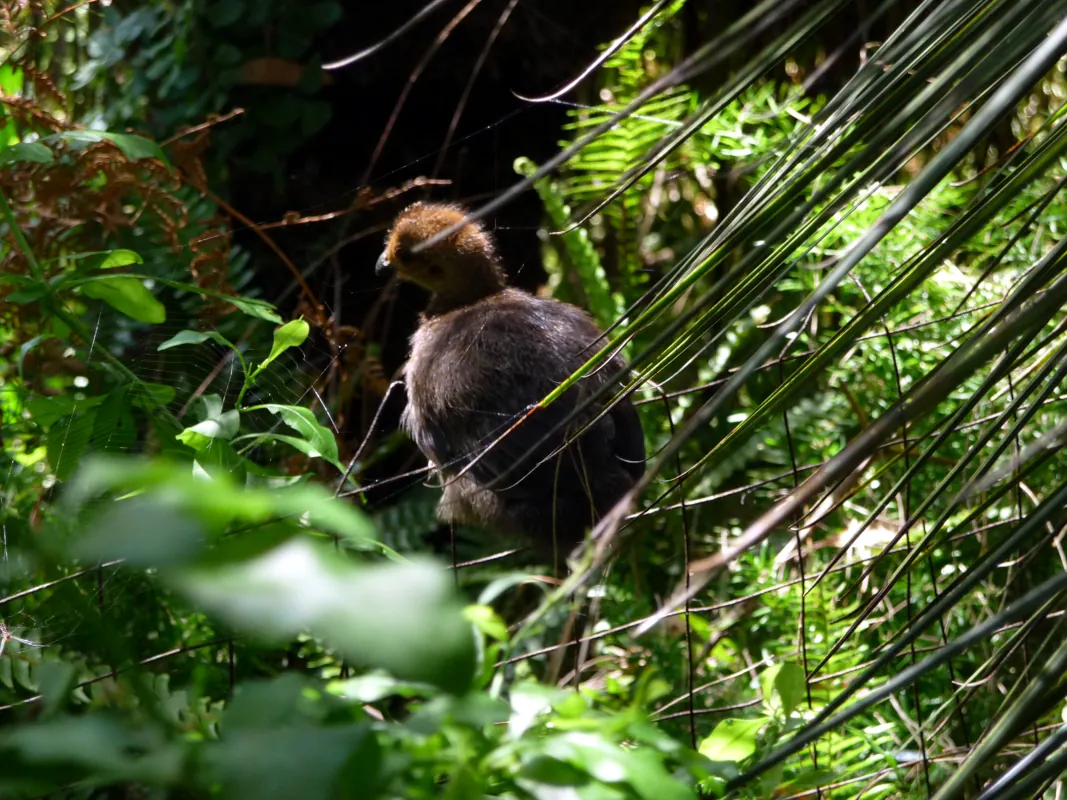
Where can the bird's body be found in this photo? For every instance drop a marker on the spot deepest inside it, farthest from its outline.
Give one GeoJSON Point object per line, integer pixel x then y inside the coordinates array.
{"type": "Point", "coordinates": [479, 364]}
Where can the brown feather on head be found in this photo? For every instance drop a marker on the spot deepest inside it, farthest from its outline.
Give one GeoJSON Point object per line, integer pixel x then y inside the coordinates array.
{"type": "Point", "coordinates": [460, 269]}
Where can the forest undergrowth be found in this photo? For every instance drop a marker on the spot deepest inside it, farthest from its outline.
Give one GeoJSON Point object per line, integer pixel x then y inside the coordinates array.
{"type": "Point", "coordinates": [843, 574]}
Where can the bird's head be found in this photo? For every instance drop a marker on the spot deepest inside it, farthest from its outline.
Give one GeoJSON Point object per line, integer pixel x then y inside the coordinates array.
{"type": "Point", "coordinates": [459, 269]}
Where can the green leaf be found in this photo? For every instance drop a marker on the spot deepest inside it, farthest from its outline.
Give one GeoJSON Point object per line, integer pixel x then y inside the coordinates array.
{"type": "Point", "coordinates": [56, 680]}
{"type": "Point", "coordinates": [320, 509]}
{"type": "Point", "coordinates": [375, 686]}
{"type": "Point", "coordinates": [266, 703]}
{"type": "Point", "coordinates": [605, 761]}
{"type": "Point", "coordinates": [133, 147]}
{"type": "Point", "coordinates": [291, 334]}
{"type": "Point", "coordinates": [143, 531]}
{"type": "Point", "coordinates": [46, 410]}
{"type": "Point", "coordinates": [194, 337]}
{"type": "Point", "coordinates": [298, 761]}
{"type": "Point", "coordinates": [32, 294]}
{"type": "Point", "coordinates": [733, 739]}
{"type": "Point", "coordinates": [260, 309]}
{"type": "Point", "coordinates": [485, 619]}
{"type": "Point", "coordinates": [217, 499]}
{"type": "Point", "coordinates": [254, 308]}
{"type": "Point", "coordinates": [404, 618]}
{"type": "Point", "coordinates": [151, 395]}
{"type": "Point", "coordinates": [67, 442]}
{"type": "Point", "coordinates": [200, 436]}
{"type": "Point", "coordinates": [128, 295]}
{"type": "Point", "coordinates": [114, 429]}
{"type": "Point", "coordinates": [105, 748]}
{"type": "Point", "coordinates": [784, 687]}
{"type": "Point", "coordinates": [529, 700]}
{"type": "Point", "coordinates": [33, 152]}
{"type": "Point", "coordinates": [112, 259]}
{"type": "Point", "coordinates": [214, 424]}
{"type": "Point", "coordinates": [216, 458]}
{"type": "Point", "coordinates": [552, 772]}
{"type": "Point", "coordinates": [11, 79]}
{"type": "Point", "coordinates": [308, 448]}
{"type": "Point", "coordinates": [320, 440]}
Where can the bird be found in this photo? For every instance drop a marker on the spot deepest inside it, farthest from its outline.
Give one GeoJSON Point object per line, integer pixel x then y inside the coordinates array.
{"type": "Point", "coordinates": [482, 358]}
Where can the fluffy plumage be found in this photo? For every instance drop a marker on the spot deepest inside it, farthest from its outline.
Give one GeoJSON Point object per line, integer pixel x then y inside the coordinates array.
{"type": "Point", "coordinates": [484, 354]}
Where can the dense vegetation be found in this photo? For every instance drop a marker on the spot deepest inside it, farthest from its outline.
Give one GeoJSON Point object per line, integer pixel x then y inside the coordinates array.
{"type": "Point", "coordinates": [843, 301]}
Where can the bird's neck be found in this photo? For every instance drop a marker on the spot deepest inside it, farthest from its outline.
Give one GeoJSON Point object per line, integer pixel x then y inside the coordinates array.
{"type": "Point", "coordinates": [443, 303]}
{"type": "Point", "coordinates": [486, 281]}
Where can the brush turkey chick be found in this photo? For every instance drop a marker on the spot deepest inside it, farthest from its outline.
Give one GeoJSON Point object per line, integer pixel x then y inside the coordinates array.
{"type": "Point", "coordinates": [482, 356]}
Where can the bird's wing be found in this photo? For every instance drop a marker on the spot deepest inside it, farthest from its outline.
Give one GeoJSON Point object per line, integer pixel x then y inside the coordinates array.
{"type": "Point", "coordinates": [487, 374]}
{"type": "Point", "coordinates": [628, 439]}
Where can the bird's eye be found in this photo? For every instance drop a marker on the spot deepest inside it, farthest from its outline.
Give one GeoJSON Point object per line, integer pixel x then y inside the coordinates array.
{"type": "Point", "coordinates": [436, 271]}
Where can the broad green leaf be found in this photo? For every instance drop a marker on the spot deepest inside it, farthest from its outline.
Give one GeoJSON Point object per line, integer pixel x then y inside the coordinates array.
{"type": "Point", "coordinates": [375, 686]}
{"type": "Point", "coordinates": [215, 424]}
{"type": "Point", "coordinates": [270, 703]}
{"type": "Point", "coordinates": [529, 700]}
{"type": "Point", "coordinates": [128, 295]}
{"type": "Point", "coordinates": [260, 309]}
{"type": "Point", "coordinates": [220, 499]}
{"type": "Point", "coordinates": [733, 739]}
{"type": "Point", "coordinates": [143, 531]}
{"type": "Point", "coordinates": [11, 79]}
{"type": "Point", "coordinates": [291, 334]}
{"type": "Point", "coordinates": [485, 619]}
{"type": "Point", "coordinates": [313, 504]}
{"type": "Point", "coordinates": [95, 745]}
{"type": "Point", "coordinates": [56, 679]}
{"type": "Point", "coordinates": [31, 294]}
{"type": "Point", "coordinates": [114, 429]}
{"type": "Point", "coordinates": [320, 440]}
{"type": "Point", "coordinates": [280, 763]}
{"type": "Point", "coordinates": [404, 618]}
{"type": "Point", "coordinates": [46, 410]}
{"type": "Point", "coordinates": [200, 436]}
{"type": "Point", "coordinates": [302, 445]}
{"type": "Point", "coordinates": [152, 395]}
{"type": "Point", "coordinates": [555, 773]}
{"type": "Point", "coordinates": [33, 152]}
{"type": "Point", "coordinates": [500, 585]}
{"type": "Point", "coordinates": [218, 457]}
{"type": "Point", "coordinates": [133, 147]}
{"type": "Point", "coordinates": [254, 308]}
{"type": "Point", "coordinates": [473, 710]}
{"type": "Point", "coordinates": [194, 337]}
{"type": "Point", "coordinates": [113, 259]}
{"type": "Point", "coordinates": [783, 687]}
{"type": "Point", "coordinates": [68, 440]}
{"type": "Point", "coordinates": [605, 761]}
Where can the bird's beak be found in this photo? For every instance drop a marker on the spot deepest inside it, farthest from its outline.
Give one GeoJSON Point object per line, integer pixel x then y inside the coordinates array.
{"type": "Point", "coordinates": [383, 263]}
